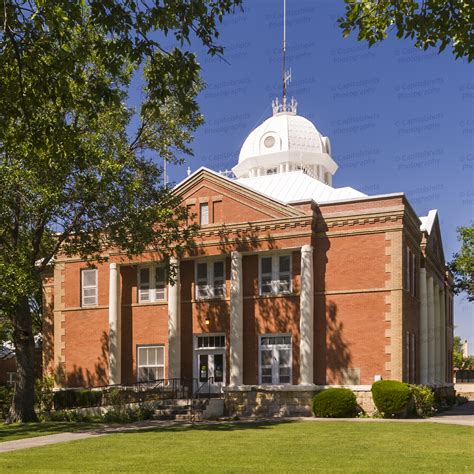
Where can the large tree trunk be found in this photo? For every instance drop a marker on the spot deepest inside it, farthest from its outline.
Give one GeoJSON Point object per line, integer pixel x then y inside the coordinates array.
{"type": "Point", "coordinates": [23, 405]}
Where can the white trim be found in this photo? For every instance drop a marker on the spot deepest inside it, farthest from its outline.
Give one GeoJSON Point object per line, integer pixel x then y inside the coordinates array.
{"type": "Point", "coordinates": [210, 352]}
{"type": "Point", "coordinates": [208, 285]}
{"type": "Point", "coordinates": [152, 285]}
{"type": "Point", "coordinates": [275, 363]}
{"type": "Point", "coordinates": [150, 346]}
{"type": "Point", "coordinates": [89, 287]}
{"type": "Point", "coordinates": [276, 274]}
{"type": "Point", "coordinates": [203, 205]}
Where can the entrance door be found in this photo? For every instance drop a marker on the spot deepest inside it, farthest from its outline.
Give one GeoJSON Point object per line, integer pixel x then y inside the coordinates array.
{"type": "Point", "coordinates": [209, 368]}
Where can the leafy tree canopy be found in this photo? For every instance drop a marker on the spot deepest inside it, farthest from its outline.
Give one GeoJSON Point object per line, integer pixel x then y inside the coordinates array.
{"type": "Point", "coordinates": [462, 265]}
{"type": "Point", "coordinates": [75, 168]}
{"type": "Point", "coordinates": [430, 23]}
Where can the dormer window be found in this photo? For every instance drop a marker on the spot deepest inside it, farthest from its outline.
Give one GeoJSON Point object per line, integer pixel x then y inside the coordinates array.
{"type": "Point", "coordinates": [271, 170]}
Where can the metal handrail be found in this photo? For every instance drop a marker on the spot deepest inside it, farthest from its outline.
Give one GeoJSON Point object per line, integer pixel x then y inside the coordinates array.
{"type": "Point", "coordinates": [177, 388]}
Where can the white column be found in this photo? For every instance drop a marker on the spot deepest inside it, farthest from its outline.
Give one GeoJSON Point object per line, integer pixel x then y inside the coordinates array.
{"type": "Point", "coordinates": [306, 316]}
{"type": "Point", "coordinates": [431, 331]}
{"type": "Point", "coordinates": [115, 359]}
{"type": "Point", "coordinates": [443, 335]}
{"type": "Point", "coordinates": [423, 327]}
{"type": "Point", "coordinates": [236, 320]}
{"type": "Point", "coordinates": [174, 325]}
{"type": "Point", "coordinates": [437, 334]}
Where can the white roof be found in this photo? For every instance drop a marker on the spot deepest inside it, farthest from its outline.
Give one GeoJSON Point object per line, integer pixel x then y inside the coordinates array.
{"type": "Point", "coordinates": [298, 186]}
{"type": "Point", "coordinates": [284, 132]}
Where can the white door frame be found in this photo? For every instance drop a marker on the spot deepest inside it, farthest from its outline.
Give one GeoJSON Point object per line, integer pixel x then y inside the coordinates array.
{"type": "Point", "coordinates": [210, 352]}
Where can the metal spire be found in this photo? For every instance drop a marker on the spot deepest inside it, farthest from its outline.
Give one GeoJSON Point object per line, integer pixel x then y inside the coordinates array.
{"type": "Point", "coordinates": [286, 76]}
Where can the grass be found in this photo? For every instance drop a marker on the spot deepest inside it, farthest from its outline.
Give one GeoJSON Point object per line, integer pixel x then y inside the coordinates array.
{"type": "Point", "coordinates": [32, 430]}
{"type": "Point", "coordinates": [290, 446]}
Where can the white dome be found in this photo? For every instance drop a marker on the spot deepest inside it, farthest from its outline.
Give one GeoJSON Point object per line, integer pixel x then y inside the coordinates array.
{"type": "Point", "coordinates": [283, 143]}
{"type": "Point", "coordinates": [284, 132]}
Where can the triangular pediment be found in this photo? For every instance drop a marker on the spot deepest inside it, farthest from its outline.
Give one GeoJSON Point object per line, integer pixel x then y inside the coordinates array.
{"type": "Point", "coordinates": [238, 203]}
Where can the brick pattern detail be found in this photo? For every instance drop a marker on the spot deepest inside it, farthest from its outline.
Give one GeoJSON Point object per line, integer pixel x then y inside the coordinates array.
{"type": "Point", "coordinates": [59, 323]}
{"type": "Point", "coordinates": [394, 301]}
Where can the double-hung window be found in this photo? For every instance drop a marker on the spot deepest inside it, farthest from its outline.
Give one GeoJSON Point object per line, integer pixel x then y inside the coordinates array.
{"type": "Point", "coordinates": [275, 359]}
{"type": "Point", "coordinates": [150, 363]}
{"type": "Point", "coordinates": [89, 287]}
{"type": "Point", "coordinates": [275, 274]}
{"type": "Point", "coordinates": [151, 284]}
{"type": "Point", "coordinates": [210, 279]}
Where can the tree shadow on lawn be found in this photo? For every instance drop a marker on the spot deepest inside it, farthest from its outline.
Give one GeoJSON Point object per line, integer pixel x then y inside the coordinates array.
{"type": "Point", "coordinates": [176, 427]}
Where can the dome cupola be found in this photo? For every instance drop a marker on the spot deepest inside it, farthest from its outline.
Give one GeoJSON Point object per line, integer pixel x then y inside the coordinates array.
{"type": "Point", "coordinates": [283, 143]}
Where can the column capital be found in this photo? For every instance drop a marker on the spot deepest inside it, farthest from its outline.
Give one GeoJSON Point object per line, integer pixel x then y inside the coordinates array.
{"type": "Point", "coordinates": [307, 249]}
{"type": "Point", "coordinates": [113, 265]}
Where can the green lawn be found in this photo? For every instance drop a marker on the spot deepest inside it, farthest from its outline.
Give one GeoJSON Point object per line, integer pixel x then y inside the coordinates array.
{"type": "Point", "coordinates": [31, 430]}
{"type": "Point", "coordinates": [292, 446]}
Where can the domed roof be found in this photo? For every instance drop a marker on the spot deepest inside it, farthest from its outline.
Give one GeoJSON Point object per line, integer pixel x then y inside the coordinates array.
{"type": "Point", "coordinates": [282, 132]}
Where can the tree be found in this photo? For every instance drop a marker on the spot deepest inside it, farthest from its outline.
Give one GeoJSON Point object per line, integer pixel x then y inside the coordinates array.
{"type": "Point", "coordinates": [431, 23]}
{"type": "Point", "coordinates": [462, 265]}
{"type": "Point", "coordinates": [76, 168]}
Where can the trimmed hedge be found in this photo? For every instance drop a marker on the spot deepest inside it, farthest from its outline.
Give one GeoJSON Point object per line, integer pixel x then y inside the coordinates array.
{"type": "Point", "coordinates": [76, 398]}
{"type": "Point", "coordinates": [335, 403]}
{"type": "Point", "coordinates": [391, 398]}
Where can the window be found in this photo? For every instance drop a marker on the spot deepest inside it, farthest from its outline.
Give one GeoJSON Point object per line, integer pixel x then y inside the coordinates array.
{"type": "Point", "coordinates": [210, 342]}
{"type": "Point", "coordinates": [89, 287]}
{"type": "Point", "coordinates": [11, 379]}
{"type": "Point", "coordinates": [150, 363]}
{"type": "Point", "coordinates": [275, 359]}
{"type": "Point", "coordinates": [151, 283]}
{"type": "Point", "coordinates": [210, 279]}
{"type": "Point", "coordinates": [204, 213]}
{"type": "Point", "coordinates": [410, 269]}
{"type": "Point", "coordinates": [271, 171]}
{"type": "Point", "coordinates": [275, 274]}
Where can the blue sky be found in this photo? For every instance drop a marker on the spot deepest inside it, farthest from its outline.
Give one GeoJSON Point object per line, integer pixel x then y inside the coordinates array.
{"type": "Point", "coordinates": [399, 119]}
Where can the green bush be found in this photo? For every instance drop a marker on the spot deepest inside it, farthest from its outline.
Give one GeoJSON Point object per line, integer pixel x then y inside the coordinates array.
{"type": "Point", "coordinates": [335, 403]}
{"type": "Point", "coordinates": [74, 416]}
{"type": "Point", "coordinates": [44, 393]}
{"type": "Point", "coordinates": [64, 399]}
{"type": "Point", "coordinates": [424, 400]}
{"type": "Point", "coordinates": [391, 398]}
{"type": "Point", "coordinates": [6, 396]}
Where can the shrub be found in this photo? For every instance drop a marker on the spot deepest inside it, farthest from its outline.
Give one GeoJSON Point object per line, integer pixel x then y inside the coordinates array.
{"type": "Point", "coordinates": [72, 416]}
{"type": "Point", "coordinates": [6, 395]}
{"type": "Point", "coordinates": [424, 400]}
{"type": "Point", "coordinates": [391, 398]}
{"type": "Point", "coordinates": [44, 394]}
{"type": "Point", "coordinates": [335, 403]}
{"type": "Point", "coordinates": [76, 398]}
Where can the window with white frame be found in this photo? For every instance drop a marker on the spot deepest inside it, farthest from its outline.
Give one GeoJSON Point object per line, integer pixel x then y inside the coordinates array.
{"type": "Point", "coordinates": [89, 287]}
{"type": "Point", "coordinates": [275, 274]}
{"type": "Point", "coordinates": [204, 213]}
{"type": "Point", "coordinates": [211, 342]}
{"type": "Point", "coordinates": [11, 378]}
{"type": "Point", "coordinates": [150, 363]}
{"type": "Point", "coordinates": [210, 279]}
{"type": "Point", "coordinates": [151, 283]}
{"type": "Point", "coordinates": [275, 359]}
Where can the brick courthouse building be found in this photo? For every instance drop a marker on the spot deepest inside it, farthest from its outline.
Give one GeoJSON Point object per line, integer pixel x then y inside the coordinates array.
{"type": "Point", "coordinates": [294, 285]}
